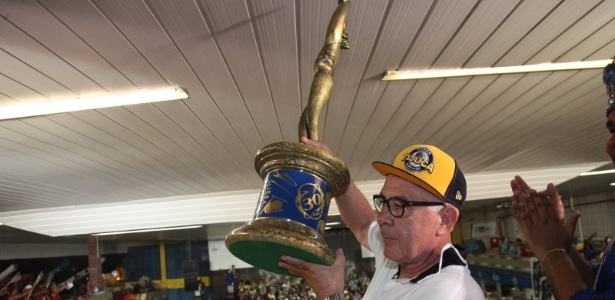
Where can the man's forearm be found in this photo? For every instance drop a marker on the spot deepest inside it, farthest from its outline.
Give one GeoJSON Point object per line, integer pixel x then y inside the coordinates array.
{"type": "Point", "coordinates": [586, 271]}
{"type": "Point", "coordinates": [356, 212]}
{"type": "Point", "coordinates": [564, 278]}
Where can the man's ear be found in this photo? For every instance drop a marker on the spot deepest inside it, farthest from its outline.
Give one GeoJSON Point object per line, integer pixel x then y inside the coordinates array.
{"type": "Point", "coordinates": [448, 218]}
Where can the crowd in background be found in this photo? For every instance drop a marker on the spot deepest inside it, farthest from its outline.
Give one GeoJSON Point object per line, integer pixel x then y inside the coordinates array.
{"type": "Point", "coordinates": [271, 286]}
{"type": "Point", "coordinates": [518, 247]}
{"type": "Point", "coordinates": [15, 291]}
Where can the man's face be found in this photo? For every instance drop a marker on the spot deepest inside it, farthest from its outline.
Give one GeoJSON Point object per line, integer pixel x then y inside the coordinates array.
{"type": "Point", "coordinates": [412, 237]}
{"type": "Point", "coordinates": [610, 143]}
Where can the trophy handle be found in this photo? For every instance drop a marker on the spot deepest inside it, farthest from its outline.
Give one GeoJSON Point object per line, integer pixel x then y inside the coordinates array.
{"type": "Point", "coordinates": [322, 84]}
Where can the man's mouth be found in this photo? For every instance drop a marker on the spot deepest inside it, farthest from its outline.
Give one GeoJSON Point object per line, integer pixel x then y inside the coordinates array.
{"type": "Point", "coordinates": [386, 238]}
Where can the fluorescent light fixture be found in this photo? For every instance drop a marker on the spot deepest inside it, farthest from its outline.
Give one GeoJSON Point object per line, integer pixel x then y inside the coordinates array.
{"type": "Point", "coordinates": [334, 223]}
{"type": "Point", "coordinates": [597, 172]}
{"type": "Point", "coordinates": [612, 183]}
{"type": "Point", "coordinates": [54, 106]}
{"type": "Point", "coordinates": [425, 74]}
{"type": "Point", "coordinates": [148, 230]}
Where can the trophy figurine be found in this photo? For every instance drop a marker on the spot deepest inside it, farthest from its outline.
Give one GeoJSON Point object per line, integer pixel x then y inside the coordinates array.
{"type": "Point", "coordinates": [299, 180]}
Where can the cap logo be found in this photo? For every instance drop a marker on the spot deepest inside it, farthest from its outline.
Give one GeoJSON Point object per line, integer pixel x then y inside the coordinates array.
{"type": "Point", "coordinates": [418, 160]}
{"type": "Point", "coordinates": [458, 196]}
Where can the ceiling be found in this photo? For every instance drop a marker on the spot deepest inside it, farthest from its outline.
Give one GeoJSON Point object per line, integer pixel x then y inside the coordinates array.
{"type": "Point", "coordinates": [248, 67]}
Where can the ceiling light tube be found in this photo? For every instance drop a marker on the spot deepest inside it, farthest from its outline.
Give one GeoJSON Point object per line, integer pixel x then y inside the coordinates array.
{"type": "Point", "coordinates": [425, 74]}
{"type": "Point", "coordinates": [147, 230]}
{"type": "Point", "coordinates": [53, 106]}
{"type": "Point", "coordinates": [597, 172]}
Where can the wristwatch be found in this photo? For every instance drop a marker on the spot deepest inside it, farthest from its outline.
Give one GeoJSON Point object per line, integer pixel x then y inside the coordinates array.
{"type": "Point", "coordinates": [336, 296]}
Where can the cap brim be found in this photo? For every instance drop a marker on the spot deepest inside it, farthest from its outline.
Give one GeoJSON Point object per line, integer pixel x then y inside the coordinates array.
{"type": "Point", "coordinates": [386, 169]}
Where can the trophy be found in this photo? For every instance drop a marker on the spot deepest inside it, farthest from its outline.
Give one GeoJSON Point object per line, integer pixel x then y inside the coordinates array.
{"type": "Point", "coordinates": [299, 180]}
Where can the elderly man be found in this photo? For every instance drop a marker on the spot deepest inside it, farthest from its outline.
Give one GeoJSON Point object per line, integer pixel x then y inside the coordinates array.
{"type": "Point", "coordinates": [410, 237]}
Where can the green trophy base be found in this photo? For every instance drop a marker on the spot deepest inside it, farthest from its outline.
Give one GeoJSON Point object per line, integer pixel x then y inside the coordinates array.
{"type": "Point", "coordinates": [263, 241]}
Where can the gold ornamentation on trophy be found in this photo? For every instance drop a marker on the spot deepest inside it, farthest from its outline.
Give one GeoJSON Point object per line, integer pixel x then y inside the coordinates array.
{"type": "Point", "coordinates": [299, 180]}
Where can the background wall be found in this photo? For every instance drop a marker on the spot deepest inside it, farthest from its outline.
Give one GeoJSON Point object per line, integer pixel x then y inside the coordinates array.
{"type": "Point", "coordinates": [30, 250]}
{"type": "Point", "coordinates": [596, 216]}
{"type": "Point", "coordinates": [163, 264]}
{"type": "Point", "coordinates": [142, 260]}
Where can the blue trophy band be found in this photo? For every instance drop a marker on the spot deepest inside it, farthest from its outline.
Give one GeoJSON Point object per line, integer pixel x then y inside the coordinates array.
{"type": "Point", "coordinates": [295, 195]}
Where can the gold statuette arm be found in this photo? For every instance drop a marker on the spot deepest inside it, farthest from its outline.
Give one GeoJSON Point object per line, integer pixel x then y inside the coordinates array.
{"type": "Point", "coordinates": [322, 84]}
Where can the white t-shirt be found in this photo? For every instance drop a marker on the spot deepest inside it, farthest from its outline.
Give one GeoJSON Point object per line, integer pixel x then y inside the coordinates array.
{"type": "Point", "coordinates": [450, 282]}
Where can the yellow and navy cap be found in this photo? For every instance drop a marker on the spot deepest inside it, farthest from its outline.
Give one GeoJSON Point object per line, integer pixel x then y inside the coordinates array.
{"type": "Point", "coordinates": [430, 168]}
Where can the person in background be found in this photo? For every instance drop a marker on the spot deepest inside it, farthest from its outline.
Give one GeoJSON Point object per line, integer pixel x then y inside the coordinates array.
{"type": "Point", "coordinates": [15, 294]}
{"type": "Point", "coordinates": [364, 280]}
{"type": "Point", "coordinates": [607, 242]}
{"type": "Point", "coordinates": [589, 253]}
{"type": "Point", "coordinates": [54, 291]}
{"type": "Point", "coordinates": [353, 282]}
{"type": "Point", "coordinates": [229, 277]}
{"type": "Point", "coordinates": [262, 288]}
{"type": "Point", "coordinates": [521, 248]}
{"type": "Point", "coordinates": [504, 246]}
{"type": "Point", "coordinates": [271, 294]}
{"type": "Point", "coordinates": [471, 246]}
{"type": "Point", "coordinates": [12, 294]}
{"type": "Point", "coordinates": [410, 237]}
{"type": "Point", "coordinates": [200, 290]}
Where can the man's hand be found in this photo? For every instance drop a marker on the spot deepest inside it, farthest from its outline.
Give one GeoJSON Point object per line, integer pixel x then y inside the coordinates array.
{"type": "Point", "coordinates": [544, 230]}
{"type": "Point", "coordinates": [521, 190]}
{"type": "Point", "coordinates": [325, 280]}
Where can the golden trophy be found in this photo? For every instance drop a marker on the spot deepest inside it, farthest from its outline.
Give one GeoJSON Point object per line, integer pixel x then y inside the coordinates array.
{"type": "Point", "coordinates": [299, 180]}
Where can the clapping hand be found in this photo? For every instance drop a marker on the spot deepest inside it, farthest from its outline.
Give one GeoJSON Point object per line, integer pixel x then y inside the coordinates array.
{"type": "Point", "coordinates": [522, 191]}
{"type": "Point", "coordinates": [542, 217]}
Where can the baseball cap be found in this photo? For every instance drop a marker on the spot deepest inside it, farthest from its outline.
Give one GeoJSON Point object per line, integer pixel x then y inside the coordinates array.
{"type": "Point", "coordinates": [430, 168]}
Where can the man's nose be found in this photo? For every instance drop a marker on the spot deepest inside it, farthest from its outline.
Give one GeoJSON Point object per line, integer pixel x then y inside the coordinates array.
{"type": "Point", "coordinates": [384, 216]}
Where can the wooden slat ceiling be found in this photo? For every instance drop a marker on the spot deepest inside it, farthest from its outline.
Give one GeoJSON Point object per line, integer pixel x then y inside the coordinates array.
{"type": "Point", "coordinates": [247, 66]}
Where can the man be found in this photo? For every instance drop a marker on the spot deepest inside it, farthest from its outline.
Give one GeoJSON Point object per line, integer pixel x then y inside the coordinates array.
{"type": "Point", "coordinates": [417, 207]}
{"type": "Point", "coordinates": [229, 276]}
{"type": "Point", "coordinates": [199, 293]}
{"type": "Point", "coordinates": [570, 276]}
{"type": "Point", "coordinates": [589, 253]}
{"type": "Point", "coordinates": [54, 291]}
{"type": "Point", "coordinates": [607, 244]}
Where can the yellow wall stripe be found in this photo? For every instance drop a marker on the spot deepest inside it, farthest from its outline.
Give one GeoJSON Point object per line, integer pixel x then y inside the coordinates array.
{"type": "Point", "coordinates": [163, 265]}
